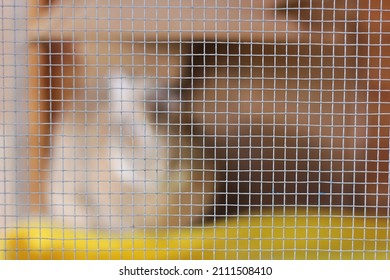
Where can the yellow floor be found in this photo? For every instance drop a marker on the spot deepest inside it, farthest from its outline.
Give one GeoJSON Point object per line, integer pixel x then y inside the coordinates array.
{"type": "Point", "coordinates": [279, 233]}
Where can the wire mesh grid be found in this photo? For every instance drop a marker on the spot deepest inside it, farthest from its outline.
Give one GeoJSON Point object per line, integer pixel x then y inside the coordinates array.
{"type": "Point", "coordinates": [141, 129]}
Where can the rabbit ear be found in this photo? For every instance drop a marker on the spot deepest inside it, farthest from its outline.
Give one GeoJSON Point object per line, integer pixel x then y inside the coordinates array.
{"type": "Point", "coordinates": [226, 20]}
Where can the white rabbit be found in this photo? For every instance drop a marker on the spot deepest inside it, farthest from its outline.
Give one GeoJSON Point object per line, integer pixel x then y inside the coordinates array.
{"type": "Point", "coordinates": [123, 155]}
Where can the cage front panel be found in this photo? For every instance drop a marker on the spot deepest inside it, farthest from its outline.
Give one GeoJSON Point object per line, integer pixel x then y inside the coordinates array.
{"type": "Point", "coordinates": [194, 130]}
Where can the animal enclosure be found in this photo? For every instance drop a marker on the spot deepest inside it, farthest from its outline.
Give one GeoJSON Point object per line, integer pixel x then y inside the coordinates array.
{"type": "Point", "coordinates": [174, 129]}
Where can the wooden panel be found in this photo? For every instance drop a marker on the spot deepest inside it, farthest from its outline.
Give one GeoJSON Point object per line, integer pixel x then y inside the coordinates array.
{"type": "Point", "coordinates": [38, 113]}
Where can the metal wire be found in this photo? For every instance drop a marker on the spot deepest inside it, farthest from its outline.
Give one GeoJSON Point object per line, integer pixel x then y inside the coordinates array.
{"type": "Point", "coordinates": [134, 117]}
